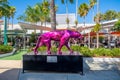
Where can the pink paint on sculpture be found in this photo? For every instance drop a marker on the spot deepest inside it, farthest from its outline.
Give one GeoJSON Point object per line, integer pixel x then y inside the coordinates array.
{"type": "Point", "coordinates": [62, 36]}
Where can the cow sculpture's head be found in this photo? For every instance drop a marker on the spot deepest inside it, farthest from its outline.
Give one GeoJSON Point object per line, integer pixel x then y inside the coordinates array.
{"type": "Point", "coordinates": [76, 34]}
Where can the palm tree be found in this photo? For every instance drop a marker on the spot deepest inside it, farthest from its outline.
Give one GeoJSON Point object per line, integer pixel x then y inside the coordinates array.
{"type": "Point", "coordinates": [3, 7]}
{"type": "Point", "coordinates": [39, 13]}
{"type": "Point", "coordinates": [110, 15]}
{"type": "Point", "coordinates": [76, 23]}
{"type": "Point", "coordinates": [4, 10]}
{"type": "Point", "coordinates": [66, 4]}
{"type": "Point", "coordinates": [96, 29]}
{"type": "Point", "coordinates": [12, 13]}
{"type": "Point", "coordinates": [30, 14]}
{"type": "Point", "coordinates": [42, 12]}
{"type": "Point", "coordinates": [83, 11]}
{"type": "Point", "coordinates": [118, 15]}
{"type": "Point", "coordinates": [76, 20]}
{"type": "Point", "coordinates": [67, 21]}
{"type": "Point", "coordinates": [91, 6]}
{"type": "Point", "coordinates": [100, 19]}
{"type": "Point", "coordinates": [76, 9]}
{"type": "Point", "coordinates": [97, 26]}
{"type": "Point", "coordinates": [46, 10]}
{"type": "Point", "coordinates": [53, 14]}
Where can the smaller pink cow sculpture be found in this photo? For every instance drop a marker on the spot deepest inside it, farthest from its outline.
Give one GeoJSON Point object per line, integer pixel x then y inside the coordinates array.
{"type": "Point", "coordinates": [62, 36]}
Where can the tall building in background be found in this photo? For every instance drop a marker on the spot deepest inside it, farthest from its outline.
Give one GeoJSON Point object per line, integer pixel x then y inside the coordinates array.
{"type": "Point", "coordinates": [61, 18]}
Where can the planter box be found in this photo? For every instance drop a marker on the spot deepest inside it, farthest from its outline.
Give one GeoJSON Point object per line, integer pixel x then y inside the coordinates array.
{"type": "Point", "coordinates": [53, 63]}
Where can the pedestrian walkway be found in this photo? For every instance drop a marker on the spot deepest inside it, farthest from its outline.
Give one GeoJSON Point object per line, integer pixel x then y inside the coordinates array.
{"type": "Point", "coordinates": [89, 75]}
{"type": "Point", "coordinates": [12, 70]}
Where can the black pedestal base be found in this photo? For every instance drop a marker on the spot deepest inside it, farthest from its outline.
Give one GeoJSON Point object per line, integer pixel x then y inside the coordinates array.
{"type": "Point", "coordinates": [54, 63]}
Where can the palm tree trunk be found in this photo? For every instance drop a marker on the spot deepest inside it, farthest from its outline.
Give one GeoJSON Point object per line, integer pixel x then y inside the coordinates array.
{"type": "Point", "coordinates": [67, 8]}
{"type": "Point", "coordinates": [109, 39]}
{"type": "Point", "coordinates": [89, 33]}
{"type": "Point", "coordinates": [98, 22]}
{"type": "Point", "coordinates": [53, 14]}
{"type": "Point", "coordinates": [76, 8]}
{"type": "Point", "coordinates": [45, 21]}
{"type": "Point", "coordinates": [12, 23]}
{"type": "Point", "coordinates": [84, 21]}
{"type": "Point", "coordinates": [97, 39]}
{"type": "Point", "coordinates": [89, 40]}
{"type": "Point", "coordinates": [93, 15]}
{"type": "Point", "coordinates": [76, 13]}
{"type": "Point", "coordinates": [84, 24]}
{"type": "Point", "coordinates": [41, 31]}
{"type": "Point", "coordinates": [67, 13]}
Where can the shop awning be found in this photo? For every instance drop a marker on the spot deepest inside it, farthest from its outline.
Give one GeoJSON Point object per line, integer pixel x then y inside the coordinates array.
{"type": "Point", "coordinates": [94, 34]}
{"type": "Point", "coordinates": [117, 33]}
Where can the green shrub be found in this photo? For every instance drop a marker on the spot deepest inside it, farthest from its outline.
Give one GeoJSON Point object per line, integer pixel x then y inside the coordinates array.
{"type": "Point", "coordinates": [53, 49]}
{"type": "Point", "coordinates": [115, 52]}
{"type": "Point", "coordinates": [101, 52]}
{"type": "Point", "coordinates": [5, 49]}
{"type": "Point", "coordinates": [85, 51]}
{"type": "Point", "coordinates": [32, 38]}
{"type": "Point", "coordinates": [43, 48]}
{"type": "Point", "coordinates": [75, 48]}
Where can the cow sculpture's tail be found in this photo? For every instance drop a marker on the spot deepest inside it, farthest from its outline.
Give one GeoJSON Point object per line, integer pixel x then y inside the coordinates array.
{"type": "Point", "coordinates": [37, 45]}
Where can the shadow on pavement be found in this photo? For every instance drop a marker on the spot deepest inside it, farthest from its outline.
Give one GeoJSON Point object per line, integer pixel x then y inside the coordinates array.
{"type": "Point", "coordinates": [9, 74]}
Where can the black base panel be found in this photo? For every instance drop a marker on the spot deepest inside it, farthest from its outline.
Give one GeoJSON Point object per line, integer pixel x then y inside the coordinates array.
{"type": "Point", "coordinates": [53, 63]}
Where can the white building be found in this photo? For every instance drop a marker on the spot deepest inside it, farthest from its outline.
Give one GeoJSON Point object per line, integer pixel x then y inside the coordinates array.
{"type": "Point", "coordinates": [61, 24]}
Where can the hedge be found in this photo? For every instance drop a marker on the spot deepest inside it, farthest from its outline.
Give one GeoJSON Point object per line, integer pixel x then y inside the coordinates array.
{"type": "Point", "coordinates": [85, 51]}
{"type": "Point", "coordinates": [5, 49]}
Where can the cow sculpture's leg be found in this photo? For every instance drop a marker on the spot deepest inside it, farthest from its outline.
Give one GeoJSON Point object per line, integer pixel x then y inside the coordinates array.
{"type": "Point", "coordinates": [59, 49]}
{"type": "Point", "coordinates": [63, 41]}
{"type": "Point", "coordinates": [48, 44]}
{"type": "Point", "coordinates": [71, 51]}
{"type": "Point", "coordinates": [37, 46]}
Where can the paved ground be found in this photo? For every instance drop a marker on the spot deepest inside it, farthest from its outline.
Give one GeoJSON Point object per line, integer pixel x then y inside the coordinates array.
{"type": "Point", "coordinates": [90, 75]}
{"type": "Point", "coordinates": [11, 70]}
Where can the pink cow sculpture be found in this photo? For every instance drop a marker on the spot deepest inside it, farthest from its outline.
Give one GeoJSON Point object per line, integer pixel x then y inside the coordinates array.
{"type": "Point", "coordinates": [62, 36]}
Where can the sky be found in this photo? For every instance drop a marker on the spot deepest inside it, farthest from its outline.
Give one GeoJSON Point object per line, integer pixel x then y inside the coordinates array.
{"type": "Point", "coordinates": [104, 5]}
